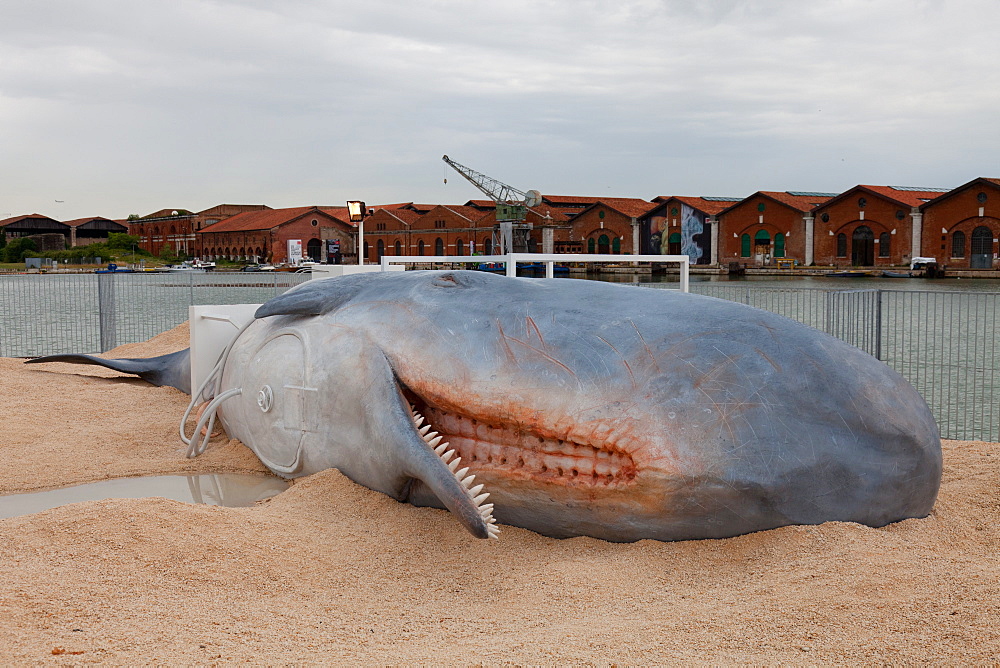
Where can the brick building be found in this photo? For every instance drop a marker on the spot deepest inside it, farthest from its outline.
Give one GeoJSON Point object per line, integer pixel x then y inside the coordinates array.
{"type": "Point", "coordinates": [769, 225]}
{"type": "Point", "coordinates": [179, 227]}
{"type": "Point", "coordinates": [870, 226]}
{"type": "Point", "coordinates": [610, 225]}
{"type": "Point", "coordinates": [263, 235]}
{"type": "Point", "coordinates": [684, 225]}
{"type": "Point", "coordinates": [961, 227]}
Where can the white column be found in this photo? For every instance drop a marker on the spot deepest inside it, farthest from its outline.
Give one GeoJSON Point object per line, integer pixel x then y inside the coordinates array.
{"type": "Point", "coordinates": [810, 238]}
{"type": "Point", "coordinates": [636, 249]}
{"type": "Point", "coordinates": [714, 255]}
{"type": "Point", "coordinates": [548, 240]}
{"type": "Point", "coordinates": [917, 235]}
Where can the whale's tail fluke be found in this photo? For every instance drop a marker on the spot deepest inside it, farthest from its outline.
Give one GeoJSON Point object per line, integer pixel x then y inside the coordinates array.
{"type": "Point", "coordinates": [173, 369]}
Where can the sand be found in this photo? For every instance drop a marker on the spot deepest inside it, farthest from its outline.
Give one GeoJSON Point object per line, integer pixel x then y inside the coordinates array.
{"type": "Point", "coordinates": [329, 572]}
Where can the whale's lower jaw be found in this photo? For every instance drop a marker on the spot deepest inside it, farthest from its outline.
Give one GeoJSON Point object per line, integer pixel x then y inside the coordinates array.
{"type": "Point", "coordinates": [501, 450]}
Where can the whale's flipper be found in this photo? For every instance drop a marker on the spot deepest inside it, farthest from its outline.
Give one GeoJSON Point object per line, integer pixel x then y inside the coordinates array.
{"type": "Point", "coordinates": [173, 369]}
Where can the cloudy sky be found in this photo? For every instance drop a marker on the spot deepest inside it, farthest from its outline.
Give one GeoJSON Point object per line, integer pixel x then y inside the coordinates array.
{"type": "Point", "coordinates": [112, 107]}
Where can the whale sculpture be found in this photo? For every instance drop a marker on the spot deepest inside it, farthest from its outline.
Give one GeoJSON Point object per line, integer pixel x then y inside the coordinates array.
{"type": "Point", "coordinates": [585, 408]}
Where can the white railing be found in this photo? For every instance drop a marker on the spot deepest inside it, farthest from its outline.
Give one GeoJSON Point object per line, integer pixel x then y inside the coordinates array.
{"type": "Point", "coordinates": [548, 259]}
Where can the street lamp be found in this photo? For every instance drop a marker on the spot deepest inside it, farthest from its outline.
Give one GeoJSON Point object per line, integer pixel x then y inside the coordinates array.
{"type": "Point", "coordinates": [356, 211]}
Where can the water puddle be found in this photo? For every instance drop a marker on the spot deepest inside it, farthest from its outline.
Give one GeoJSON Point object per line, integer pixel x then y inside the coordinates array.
{"type": "Point", "coordinates": [233, 490]}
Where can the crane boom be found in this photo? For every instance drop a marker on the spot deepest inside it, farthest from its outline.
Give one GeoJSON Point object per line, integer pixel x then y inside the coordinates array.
{"type": "Point", "coordinates": [499, 192]}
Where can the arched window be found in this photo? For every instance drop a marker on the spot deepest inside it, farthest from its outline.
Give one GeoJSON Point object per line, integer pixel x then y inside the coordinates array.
{"type": "Point", "coordinates": [958, 244]}
{"type": "Point", "coordinates": [779, 245]}
{"type": "Point", "coordinates": [744, 246]}
{"type": "Point", "coordinates": [439, 246]}
{"type": "Point", "coordinates": [313, 249]}
{"type": "Point", "coordinates": [420, 247]}
{"type": "Point", "coordinates": [459, 247]}
{"type": "Point", "coordinates": [488, 246]}
{"type": "Point", "coordinates": [380, 248]}
{"type": "Point", "coordinates": [884, 244]}
{"type": "Point", "coordinates": [841, 245]}
{"type": "Point", "coordinates": [603, 244]}
{"type": "Point", "coordinates": [398, 248]}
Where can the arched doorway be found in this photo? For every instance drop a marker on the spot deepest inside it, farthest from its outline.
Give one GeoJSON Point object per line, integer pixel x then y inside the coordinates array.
{"type": "Point", "coordinates": [603, 244]}
{"type": "Point", "coordinates": [761, 247]}
{"type": "Point", "coordinates": [313, 247]}
{"type": "Point", "coordinates": [863, 247]}
{"type": "Point", "coordinates": [981, 256]}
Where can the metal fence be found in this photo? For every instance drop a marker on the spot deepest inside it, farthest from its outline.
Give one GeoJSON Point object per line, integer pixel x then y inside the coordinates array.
{"type": "Point", "coordinates": [47, 314]}
{"type": "Point", "coordinates": [944, 343]}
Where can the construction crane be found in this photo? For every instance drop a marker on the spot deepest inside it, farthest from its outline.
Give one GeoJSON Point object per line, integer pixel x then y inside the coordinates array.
{"type": "Point", "coordinates": [511, 232]}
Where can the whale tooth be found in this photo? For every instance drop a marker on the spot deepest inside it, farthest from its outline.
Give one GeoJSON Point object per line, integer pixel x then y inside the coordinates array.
{"type": "Point", "coordinates": [434, 442]}
{"type": "Point", "coordinates": [418, 419]}
{"type": "Point", "coordinates": [487, 515]}
{"type": "Point", "coordinates": [482, 497]}
{"type": "Point", "coordinates": [448, 455]}
{"type": "Point", "coordinates": [439, 449]}
{"type": "Point", "coordinates": [493, 530]}
{"type": "Point", "coordinates": [423, 430]}
{"type": "Point", "coordinates": [454, 464]}
{"type": "Point", "coordinates": [486, 508]}
{"type": "Point", "coordinates": [461, 474]}
{"type": "Point", "coordinates": [468, 481]}
{"type": "Point", "coordinates": [475, 490]}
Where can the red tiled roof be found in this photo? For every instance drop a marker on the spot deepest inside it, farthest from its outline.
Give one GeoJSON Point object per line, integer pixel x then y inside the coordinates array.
{"type": "Point", "coordinates": [404, 215]}
{"type": "Point", "coordinates": [799, 202]}
{"type": "Point", "coordinates": [907, 197]}
{"type": "Point", "coordinates": [632, 207]}
{"type": "Point", "coordinates": [262, 220]}
{"type": "Point", "coordinates": [711, 207]}
{"type": "Point", "coordinates": [484, 203]}
{"type": "Point", "coordinates": [467, 212]}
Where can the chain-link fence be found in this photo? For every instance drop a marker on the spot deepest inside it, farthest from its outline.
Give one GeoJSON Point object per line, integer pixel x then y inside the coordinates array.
{"type": "Point", "coordinates": [943, 342]}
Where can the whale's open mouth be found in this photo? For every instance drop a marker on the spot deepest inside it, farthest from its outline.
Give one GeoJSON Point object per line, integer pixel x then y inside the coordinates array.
{"type": "Point", "coordinates": [511, 451]}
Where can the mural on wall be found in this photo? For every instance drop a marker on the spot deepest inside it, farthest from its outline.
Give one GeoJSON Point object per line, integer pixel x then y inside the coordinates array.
{"type": "Point", "coordinates": [693, 240]}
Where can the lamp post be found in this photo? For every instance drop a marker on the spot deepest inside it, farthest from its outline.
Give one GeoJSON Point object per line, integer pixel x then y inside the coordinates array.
{"type": "Point", "coordinates": [356, 211]}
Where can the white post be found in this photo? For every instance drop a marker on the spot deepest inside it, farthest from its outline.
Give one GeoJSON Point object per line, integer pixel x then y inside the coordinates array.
{"type": "Point", "coordinates": [810, 238]}
{"type": "Point", "coordinates": [916, 240]}
{"type": "Point", "coordinates": [714, 256]}
{"type": "Point", "coordinates": [361, 240]}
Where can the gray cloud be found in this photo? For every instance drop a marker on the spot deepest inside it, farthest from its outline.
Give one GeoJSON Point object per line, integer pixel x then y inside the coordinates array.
{"type": "Point", "coordinates": [125, 107]}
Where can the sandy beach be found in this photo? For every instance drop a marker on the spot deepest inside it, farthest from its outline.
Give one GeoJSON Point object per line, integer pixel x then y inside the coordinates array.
{"type": "Point", "coordinates": [329, 572]}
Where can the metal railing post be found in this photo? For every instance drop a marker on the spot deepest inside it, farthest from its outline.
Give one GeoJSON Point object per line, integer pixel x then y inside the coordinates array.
{"type": "Point", "coordinates": [106, 310]}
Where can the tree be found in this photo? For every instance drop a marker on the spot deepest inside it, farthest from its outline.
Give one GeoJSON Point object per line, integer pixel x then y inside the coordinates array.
{"type": "Point", "coordinates": [167, 253]}
{"type": "Point", "coordinates": [17, 249]}
{"type": "Point", "coordinates": [122, 241]}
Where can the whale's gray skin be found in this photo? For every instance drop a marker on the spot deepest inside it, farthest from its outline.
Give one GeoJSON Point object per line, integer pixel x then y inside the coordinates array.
{"type": "Point", "coordinates": [586, 408]}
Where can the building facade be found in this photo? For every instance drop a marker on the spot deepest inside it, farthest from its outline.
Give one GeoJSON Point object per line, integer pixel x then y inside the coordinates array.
{"type": "Point", "coordinates": [961, 228]}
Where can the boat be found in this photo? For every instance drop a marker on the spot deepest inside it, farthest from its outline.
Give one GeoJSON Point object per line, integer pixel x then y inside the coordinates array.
{"type": "Point", "coordinates": [849, 273]}
{"type": "Point", "coordinates": [257, 267]}
{"type": "Point", "coordinates": [203, 264]}
{"type": "Point", "coordinates": [113, 268]}
{"type": "Point", "coordinates": [896, 274]}
{"type": "Point", "coordinates": [183, 267]}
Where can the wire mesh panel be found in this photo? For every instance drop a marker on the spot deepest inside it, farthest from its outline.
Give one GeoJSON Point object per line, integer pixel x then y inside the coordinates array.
{"type": "Point", "coordinates": [945, 344]}
{"type": "Point", "coordinates": [42, 314]}
{"type": "Point", "coordinates": [88, 313]}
